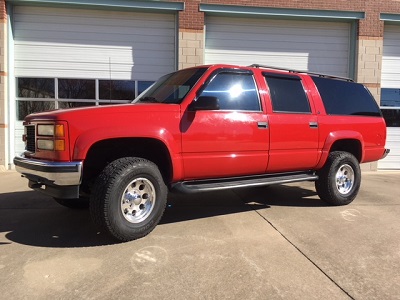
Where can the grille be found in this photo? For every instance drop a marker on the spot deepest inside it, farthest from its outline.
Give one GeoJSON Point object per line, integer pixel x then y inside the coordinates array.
{"type": "Point", "coordinates": [30, 138]}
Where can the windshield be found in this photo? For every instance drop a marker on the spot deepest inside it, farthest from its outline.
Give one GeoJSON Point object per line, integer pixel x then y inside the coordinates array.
{"type": "Point", "coordinates": [171, 88]}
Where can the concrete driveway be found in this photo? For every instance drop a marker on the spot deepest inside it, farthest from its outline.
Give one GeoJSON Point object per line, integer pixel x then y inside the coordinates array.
{"type": "Point", "coordinates": [259, 243]}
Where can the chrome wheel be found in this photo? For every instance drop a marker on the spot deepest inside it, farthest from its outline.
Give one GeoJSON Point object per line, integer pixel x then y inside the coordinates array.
{"type": "Point", "coordinates": [138, 200]}
{"type": "Point", "coordinates": [344, 179]}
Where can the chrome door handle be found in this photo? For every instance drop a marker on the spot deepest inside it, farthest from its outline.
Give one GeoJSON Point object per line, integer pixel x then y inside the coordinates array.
{"type": "Point", "coordinates": [262, 125]}
{"type": "Point", "coordinates": [313, 124]}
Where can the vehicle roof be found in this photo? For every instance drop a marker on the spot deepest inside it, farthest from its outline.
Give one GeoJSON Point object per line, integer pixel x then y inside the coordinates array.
{"type": "Point", "coordinates": [277, 70]}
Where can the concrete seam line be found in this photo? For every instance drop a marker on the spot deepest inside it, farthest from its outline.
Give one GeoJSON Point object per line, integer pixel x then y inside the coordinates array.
{"type": "Point", "coordinates": [302, 253]}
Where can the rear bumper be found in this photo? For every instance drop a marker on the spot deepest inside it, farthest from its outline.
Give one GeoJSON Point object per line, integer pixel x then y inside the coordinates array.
{"type": "Point", "coordinates": [57, 179]}
{"type": "Point", "coordinates": [385, 153]}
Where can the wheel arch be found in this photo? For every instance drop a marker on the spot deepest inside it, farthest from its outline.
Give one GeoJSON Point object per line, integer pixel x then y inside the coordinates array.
{"type": "Point", "coordinates": [348, 141]}
{"type": "Point", "coordinates": [102, 152]}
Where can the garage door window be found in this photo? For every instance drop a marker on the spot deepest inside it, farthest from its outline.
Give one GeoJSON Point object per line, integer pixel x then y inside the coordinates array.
{"type": "Point", "coordinates": [42, 94]}
{"type": "Point", "coordinates": [390, 106]}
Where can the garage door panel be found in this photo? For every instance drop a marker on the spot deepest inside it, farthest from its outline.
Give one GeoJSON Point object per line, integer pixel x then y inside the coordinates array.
{"type": "Point", "coordinates": [391, 80]}
{"type": "Point", "coordinates": [316, 46]}
{"type": "Point", "coordinates": [88, 17]}
{"type": "Point", "coordinates": [336, 49]}
{"type": "Point", "coordinates": [63, 42]}
{"type": "Point", "coordinates": [392, 161]}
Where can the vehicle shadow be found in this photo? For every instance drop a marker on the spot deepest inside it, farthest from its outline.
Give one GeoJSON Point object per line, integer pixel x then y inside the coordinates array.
{"type": "Point", "coordinates": [31, 218]}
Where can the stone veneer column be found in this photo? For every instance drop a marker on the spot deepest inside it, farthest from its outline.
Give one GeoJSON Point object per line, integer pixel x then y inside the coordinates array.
{"type": "Point", "coordinates": [369, 72]}
{"type": "Point", "coordinates": [191, 48]}
{"type": "Point", "coordinates": [370, 64]}
{"type": "Point", "coordinates": [3, 89]}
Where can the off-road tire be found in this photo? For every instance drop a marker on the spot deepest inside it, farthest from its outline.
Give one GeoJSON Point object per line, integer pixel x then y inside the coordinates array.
{"type": "Point", "coordinates": [78, 203]}
{"type": "Point", "coordinates": [339, 180]}
{"type": "Point", "coordinates": [128, 198]}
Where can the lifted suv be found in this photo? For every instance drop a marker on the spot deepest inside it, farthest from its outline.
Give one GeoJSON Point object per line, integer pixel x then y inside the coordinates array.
{"type": "Point", "coordinates": [200, 129]}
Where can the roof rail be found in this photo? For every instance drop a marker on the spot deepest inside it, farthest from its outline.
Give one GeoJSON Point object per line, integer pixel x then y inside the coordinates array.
{"type": "Point", "coordinates": [299, 71]}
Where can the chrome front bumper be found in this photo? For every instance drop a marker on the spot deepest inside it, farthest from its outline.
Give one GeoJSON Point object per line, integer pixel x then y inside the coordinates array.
{"type": "Point", "coordinates": [56, 179]}
{"type": "Point", "coordinates": [57, 173]}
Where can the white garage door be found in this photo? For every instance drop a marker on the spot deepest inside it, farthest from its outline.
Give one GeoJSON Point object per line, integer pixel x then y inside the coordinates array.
{"type": "Point", "coordinates": [322, 47]}
{"type": "Point", "coordinates": [55, 46]}
{"type": "Point", "coordinates": [390, 96]}
{"type": "Point", "coordinates": [76, 43]}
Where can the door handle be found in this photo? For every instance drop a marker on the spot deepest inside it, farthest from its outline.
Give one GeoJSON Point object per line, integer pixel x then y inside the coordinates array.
{"type": "Point", "coordinates": [313, 124]}
{"type": "Point", "coordinates": [262, 125]}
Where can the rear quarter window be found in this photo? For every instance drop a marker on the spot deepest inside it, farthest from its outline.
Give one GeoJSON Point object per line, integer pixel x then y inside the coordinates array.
{"type": "Point", "coordinates": [346, 98]}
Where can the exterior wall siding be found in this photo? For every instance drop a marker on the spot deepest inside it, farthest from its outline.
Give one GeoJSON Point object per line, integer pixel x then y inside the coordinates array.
{"type": "Point", "coordinates": [3, 88]}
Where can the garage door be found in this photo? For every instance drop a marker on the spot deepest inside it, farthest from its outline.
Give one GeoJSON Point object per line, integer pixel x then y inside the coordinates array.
{"type": "Point", "coordinates": [305, 45]}
{"type": "Point", "coordinates": [93, 44]}
{"type": "Point", "coordinates": [66, 53]}
{"type": "Point", "coordinates": [390, 96]}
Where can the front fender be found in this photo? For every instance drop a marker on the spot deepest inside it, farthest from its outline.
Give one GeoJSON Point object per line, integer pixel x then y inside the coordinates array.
{"type": "Point", "coordinates": [88, 138]}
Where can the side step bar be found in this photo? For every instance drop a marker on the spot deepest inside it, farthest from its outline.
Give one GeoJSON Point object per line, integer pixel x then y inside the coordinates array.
{"type": "Point", "coordinates": [240, 182]}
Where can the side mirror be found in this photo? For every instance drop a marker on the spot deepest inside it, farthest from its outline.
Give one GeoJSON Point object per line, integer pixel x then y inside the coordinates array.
{"type": "Point", "coordinates": [205, 103]}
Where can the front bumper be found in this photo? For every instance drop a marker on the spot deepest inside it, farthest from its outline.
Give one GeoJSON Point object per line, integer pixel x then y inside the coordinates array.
{"type": "Point", "coordinates": [56, 179]}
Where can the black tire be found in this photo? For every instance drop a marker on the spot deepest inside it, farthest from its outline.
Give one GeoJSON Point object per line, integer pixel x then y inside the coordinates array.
{"type": "Point", "coordinates": [78, 203]}
{"type": "Point", "coordinates": [128, 198]}
{"type": "Point", "coordinates": [339, 180]}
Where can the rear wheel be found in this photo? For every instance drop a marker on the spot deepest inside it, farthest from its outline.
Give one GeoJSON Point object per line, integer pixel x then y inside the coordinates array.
{"type": "Point", "coordinates": [339, 180]}
{"type": "Point", "coordinates": [128, 198]}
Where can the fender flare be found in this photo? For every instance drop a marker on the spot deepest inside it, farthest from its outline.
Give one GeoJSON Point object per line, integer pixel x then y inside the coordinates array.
{"type": "Point", "coordinates": [336, 136]}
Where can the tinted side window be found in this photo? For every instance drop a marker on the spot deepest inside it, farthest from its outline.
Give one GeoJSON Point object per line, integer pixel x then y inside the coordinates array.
{"type": "Point", "coordinates": [287, 94]}
{"type": "Point", "coordinates": [346, 98]}
{"type": "Point", "coordinates": [235, 91]}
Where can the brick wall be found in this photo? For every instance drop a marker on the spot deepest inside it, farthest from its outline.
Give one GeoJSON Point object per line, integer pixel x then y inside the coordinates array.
{"type": "Point", "coordinates": [371, 26]}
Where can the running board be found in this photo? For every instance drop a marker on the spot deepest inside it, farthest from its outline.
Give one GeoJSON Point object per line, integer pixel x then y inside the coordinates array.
{"type": "Point", "coordinates": [240, 182]}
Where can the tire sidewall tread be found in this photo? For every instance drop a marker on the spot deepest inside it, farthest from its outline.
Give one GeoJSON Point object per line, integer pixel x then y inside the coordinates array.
{"type": "Point", "coordinates": [107, 192]}
{"type": "Point", "coordinates": [326, 184]}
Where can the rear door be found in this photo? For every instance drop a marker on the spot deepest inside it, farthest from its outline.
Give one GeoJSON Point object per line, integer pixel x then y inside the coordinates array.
{"type": "Point", "coordinates": [230, 141]}
{"type": "Point", "coordinates": [293, 125]}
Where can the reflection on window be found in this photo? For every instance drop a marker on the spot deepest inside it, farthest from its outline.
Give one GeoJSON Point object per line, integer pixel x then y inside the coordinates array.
{"type": "Point", "coordinates": [235, 91]}
{"type": "Point", "coordinates": [69, 104]}
{"type": "Point", "coordinates": [172, 88]}
{"type": "Point", "coordinates": [390, 97]}
{"type": "Point", "coordinates": [116, 89]}
{"type": "Point", "coordinates": [143, 85]}
{"type": "Point", "coordinates": [25, 108]}
{"type": "Point", "coordinates": [76, 89]}
{"type": "Point", "coordinates": [35, 87]}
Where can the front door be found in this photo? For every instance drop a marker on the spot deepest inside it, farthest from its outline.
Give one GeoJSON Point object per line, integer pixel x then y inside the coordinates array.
{"type": "Point", "coordinates": [230, 141]}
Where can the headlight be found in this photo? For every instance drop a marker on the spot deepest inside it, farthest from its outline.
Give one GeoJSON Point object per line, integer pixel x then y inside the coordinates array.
{"type": "Point", "coordinates": [47, 130]}
{"type": "Point", "coordinates": [51, 130]}
{"type": "Point", "coordinates": [50, 137]}
{"type": "Point", "coordinates": [45, 144]}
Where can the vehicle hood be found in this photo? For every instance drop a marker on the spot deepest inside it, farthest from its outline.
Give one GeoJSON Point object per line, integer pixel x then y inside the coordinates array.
{"type": "Point", "coordinates": [103, 113]}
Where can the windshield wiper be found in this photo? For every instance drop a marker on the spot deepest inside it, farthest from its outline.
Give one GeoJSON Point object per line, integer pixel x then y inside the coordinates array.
{"type": "Point", "coordinates": [148, 99]}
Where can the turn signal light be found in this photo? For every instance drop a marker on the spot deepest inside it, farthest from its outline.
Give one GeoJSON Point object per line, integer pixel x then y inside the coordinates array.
{"type": "Point", "coordinates": [59, 145]}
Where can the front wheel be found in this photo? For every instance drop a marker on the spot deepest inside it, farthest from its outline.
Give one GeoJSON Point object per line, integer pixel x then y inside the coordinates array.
{"type": "Point", "coordinates": [128, 198]}
{"type": "Point", "coordinates": [339, 180]}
